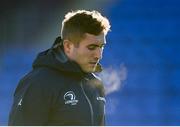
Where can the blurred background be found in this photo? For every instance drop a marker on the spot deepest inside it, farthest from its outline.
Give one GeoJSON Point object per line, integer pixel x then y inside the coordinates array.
{"type": "Point", "coordinates": [141, 60]}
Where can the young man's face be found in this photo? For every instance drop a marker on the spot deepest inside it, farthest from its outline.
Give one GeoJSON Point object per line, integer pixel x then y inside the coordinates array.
{"type": "Point", "coordinates": [89, 52]}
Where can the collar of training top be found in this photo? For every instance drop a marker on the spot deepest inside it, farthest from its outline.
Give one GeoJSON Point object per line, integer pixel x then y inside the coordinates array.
{"type": "Point", "coordinates": [57, 59]}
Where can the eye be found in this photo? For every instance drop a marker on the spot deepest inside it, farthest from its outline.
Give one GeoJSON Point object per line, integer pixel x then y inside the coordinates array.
{"type": "Point", "coordinates": [92, 47]}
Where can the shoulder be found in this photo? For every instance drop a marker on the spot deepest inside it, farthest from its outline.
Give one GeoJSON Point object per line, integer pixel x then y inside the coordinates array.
{"type": "Point", "coordinates": [42, 80]}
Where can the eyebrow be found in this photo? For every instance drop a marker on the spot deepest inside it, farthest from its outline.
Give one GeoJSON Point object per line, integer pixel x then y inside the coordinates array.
{"type": "Point", "coordinates": [97, 45]}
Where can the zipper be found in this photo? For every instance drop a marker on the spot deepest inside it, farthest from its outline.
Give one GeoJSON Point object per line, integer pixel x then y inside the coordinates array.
{"type": "Point", "coordinates": [90, 105]}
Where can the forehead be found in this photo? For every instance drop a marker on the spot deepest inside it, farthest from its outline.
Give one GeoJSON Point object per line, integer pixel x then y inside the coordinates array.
{"type": "Point", "coordinates": [93, 39]}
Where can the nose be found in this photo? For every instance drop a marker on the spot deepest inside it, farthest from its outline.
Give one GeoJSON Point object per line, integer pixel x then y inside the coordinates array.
{"type": "Point", "coordinates": [98, 53]}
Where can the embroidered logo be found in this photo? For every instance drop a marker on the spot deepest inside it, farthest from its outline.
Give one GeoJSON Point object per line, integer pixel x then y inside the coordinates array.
{"type": "Point", "coordinates": [101, 99]}
{"type": "Point", "coordinates": [70, 98]}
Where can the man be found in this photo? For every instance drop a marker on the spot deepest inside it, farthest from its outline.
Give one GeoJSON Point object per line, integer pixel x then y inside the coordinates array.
{"type": "Point", "coordinates": [62, 88]}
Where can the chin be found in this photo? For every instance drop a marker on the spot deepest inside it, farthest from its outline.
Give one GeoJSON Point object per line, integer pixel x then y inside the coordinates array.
{"type": "Point", "coordinates": [89, 70]}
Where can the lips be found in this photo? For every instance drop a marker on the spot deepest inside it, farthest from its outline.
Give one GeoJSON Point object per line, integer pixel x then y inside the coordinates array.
{"type": "Point", "coordinates": [93, 63]}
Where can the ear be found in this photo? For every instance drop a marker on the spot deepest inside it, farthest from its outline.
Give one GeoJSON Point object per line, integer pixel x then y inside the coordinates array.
{"type": "Point", "coordinates": [68, 47]}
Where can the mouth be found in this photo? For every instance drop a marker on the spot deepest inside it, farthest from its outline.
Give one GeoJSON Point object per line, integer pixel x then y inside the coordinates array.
{"type": "Point", "coordinates": [93, 63]}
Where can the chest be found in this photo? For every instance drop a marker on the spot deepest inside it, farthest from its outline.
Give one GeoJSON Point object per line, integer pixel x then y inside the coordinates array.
{"type": "Point", "coordinates": [79, 102]}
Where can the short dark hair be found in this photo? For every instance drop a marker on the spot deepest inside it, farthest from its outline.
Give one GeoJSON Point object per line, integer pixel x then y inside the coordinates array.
{"type": "Point", "coordinates": [77, 23]}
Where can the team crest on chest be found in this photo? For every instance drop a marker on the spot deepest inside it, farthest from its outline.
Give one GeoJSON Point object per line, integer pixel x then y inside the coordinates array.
{"type": "Point", "coordinates": [70, 98]}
